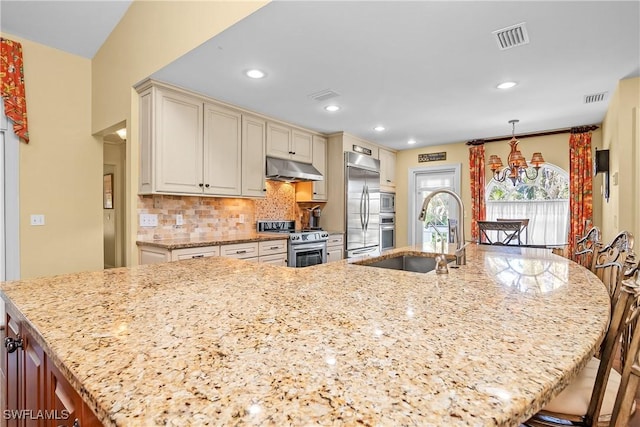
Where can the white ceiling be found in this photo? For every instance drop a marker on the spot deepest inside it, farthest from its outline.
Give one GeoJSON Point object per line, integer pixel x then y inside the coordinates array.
{"type": "Point", "coordinates": [425, 70]}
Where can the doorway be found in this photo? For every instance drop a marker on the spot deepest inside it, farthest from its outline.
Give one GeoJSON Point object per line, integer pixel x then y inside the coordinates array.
{"type": "Point", "coordinates": [442, 210]}
{"type": "Point", "coordinates": [113, 198]}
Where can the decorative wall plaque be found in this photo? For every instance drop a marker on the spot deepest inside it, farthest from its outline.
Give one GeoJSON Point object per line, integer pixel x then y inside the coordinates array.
{"type": "Point", "coordinates": [432, 157]}
{"type": "Point", "coordinates": [359, 149]}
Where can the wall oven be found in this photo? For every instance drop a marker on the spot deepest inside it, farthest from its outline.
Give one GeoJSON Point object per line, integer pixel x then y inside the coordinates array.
{"type": "Point", "coordinates": [387, 202]}
{"type": "Point", "coordinates": [387, 231]}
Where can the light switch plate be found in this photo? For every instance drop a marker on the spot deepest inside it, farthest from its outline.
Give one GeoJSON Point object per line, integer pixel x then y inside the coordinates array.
{"type": "Point", "coordinates": [37, 219]}
{"type": "Point", "coordinates": [179, 219]}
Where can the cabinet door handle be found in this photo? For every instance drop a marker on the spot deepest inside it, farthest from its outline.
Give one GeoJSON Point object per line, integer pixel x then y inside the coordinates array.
{"type": "Point", "coordinates": [198, 256]}
{"type": "Point", "coordinates": [206, 185]}
{"type": "Point", "coordinates": [388, 180]}
{"type": "Point", "coordinates": [13, 344]}
{"type": "Point", "coordinates": [201, 185]}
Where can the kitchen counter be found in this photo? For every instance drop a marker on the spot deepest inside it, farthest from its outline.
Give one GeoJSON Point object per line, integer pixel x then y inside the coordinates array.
{"type": "Point", "coordinates": [223, 341]}
{"type": "Point", "coordinates": [196, 242]}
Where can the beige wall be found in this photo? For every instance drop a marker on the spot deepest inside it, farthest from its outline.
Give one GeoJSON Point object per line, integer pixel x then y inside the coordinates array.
{"type": "Point", "coordinates": [61, 167]}
{"type": "Point", "coordinates": [150, 36]}
{"type": "Point", "coordinates": [621, 135]}
{"type": "Point", "coordinates": [554, 148]}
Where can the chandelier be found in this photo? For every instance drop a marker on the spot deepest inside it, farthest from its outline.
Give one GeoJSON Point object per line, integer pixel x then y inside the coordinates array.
{"type": "Point", "coordinates": [517, 167]}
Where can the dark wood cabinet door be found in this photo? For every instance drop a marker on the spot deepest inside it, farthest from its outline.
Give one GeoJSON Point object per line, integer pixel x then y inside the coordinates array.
{"type": "Point", "coordinates": [62, 399]}
{"type": "Point", "coordinates": [13, 383]}
{"type": "Point", "coordinates": [34, 375]}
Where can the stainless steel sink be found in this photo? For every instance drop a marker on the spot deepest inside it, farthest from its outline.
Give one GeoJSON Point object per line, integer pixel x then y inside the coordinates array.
{"type": "Point", "coordinates": [418, 264]}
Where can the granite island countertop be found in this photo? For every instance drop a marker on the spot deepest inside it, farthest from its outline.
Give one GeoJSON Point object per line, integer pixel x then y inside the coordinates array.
{"type": "Point", "coordinates": [223, 341]}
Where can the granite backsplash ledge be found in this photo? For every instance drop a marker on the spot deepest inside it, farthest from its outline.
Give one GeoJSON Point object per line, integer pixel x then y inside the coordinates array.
{"type": "Point", "coordinates": [216, 216]}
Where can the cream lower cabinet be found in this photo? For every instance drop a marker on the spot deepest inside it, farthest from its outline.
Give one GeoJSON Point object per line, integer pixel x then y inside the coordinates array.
{"type": "Point", "coordinates": [335, 247]}
{"type": "Point", "coordinates": [154, 255]}
{"type": "Point", "coordinates": [273, 252]}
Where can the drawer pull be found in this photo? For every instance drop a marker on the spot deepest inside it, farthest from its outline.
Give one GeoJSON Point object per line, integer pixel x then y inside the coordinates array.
{"type": "Point", "coordinates": [275, 247]}
{"type": "Point", "coordinates": [241, 252]}
{"type": "Point", "coordinates": [198, 256]}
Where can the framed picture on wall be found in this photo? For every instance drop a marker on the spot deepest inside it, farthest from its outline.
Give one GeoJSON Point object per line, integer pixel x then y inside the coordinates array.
{"type": "Point", "coordinates": [107, 191]}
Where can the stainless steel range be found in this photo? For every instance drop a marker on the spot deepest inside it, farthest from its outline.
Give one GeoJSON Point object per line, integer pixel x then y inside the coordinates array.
{"type": "Point", "coordinates": [304, 247]}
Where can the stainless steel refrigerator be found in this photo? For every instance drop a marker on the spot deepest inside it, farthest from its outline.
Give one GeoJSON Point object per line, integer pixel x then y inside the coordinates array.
{"type": "Point", "coordinates": [362, 193]}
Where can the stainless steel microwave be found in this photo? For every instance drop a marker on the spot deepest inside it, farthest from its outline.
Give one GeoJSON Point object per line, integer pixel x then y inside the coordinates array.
{"type": "Point", "coordinates": [387, 202]}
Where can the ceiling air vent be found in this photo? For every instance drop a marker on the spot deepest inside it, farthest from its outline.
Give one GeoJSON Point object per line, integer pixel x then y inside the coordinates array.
{"type": "Point", "coordinates": [323, 95]}
{"type": "Point", "coordinates": [595, 97]}
{"type": "Point", "coordinates": [513, 36]}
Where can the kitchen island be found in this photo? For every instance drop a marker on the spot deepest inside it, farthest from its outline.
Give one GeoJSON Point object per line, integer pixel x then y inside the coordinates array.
{"type": "Point", "coordinates": [222, 341]}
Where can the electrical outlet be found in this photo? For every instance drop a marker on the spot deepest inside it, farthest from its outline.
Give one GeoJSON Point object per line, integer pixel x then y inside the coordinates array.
{"type": "Point", "coordinates": [179, 219]}
{"type": "Point", "coordinates": [148, 220]}
{"type": "Point", "coordinates": [241, 219]}
{"type": "Point", "coordinates": [37, 219]}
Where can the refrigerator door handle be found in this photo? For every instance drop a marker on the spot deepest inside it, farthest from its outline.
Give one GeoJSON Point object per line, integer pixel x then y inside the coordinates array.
{"type": "Point", "coordinates": [366, 224]}
{"type": "Point", "coordinates": [362, 208]}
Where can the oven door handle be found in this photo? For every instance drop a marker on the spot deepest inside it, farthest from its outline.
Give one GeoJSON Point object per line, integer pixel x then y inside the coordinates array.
{"type": "Point", "coordinates": [306, 246]}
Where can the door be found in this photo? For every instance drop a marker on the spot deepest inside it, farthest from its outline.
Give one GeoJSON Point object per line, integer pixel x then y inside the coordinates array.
{"type": "Point", "coordinates": [372, 233]}
{"type": "Point", "coordinates": [109, 222]}
{"type": "Point", "coordinates": [356, 207]}
{"type": "Point", "coordinates": [442, 208]}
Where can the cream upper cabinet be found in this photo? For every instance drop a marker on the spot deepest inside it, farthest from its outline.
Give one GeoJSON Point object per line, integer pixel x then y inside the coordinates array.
{"type": "Point", "coordinates": [302, 146]}
{"type": "Point", "coordinates": [171, 141]}
{"type": "Point", "coordinates": [286, 143]}
{"type": "Point", "coordinates": [253, 156]}
{"type": "Point", "coordinates": [387, 169]}
{"type": "Point", "coordinates": [320, 163]}
{"type": "Point", "coordinates": [222, 162]}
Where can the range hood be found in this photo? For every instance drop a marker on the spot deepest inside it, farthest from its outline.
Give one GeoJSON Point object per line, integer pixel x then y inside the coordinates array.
{"type": "Point", "coordinates": [291, 171]}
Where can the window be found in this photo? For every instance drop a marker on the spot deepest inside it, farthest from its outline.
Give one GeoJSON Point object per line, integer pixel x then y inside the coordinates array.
{"type": "Point", "coordinates": [544, 201]}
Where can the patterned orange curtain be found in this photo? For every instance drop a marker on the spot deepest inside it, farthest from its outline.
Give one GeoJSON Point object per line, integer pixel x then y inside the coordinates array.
{"type": "Point", "coordinates": [476, 170]}
{"type": "Point", "coordinates": [12, 80]}
{"type": "Point", "coordinates": [580, 186]}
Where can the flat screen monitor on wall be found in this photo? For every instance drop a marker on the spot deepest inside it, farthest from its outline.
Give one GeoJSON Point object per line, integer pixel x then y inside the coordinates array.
{"type": "Point", "coordinates": [601, 161]}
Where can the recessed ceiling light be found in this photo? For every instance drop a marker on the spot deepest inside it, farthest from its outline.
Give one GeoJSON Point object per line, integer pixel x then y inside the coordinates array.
{"type": "Point", "coordinates": [255, 73]}
{"type": "Point", "coordinates": [379, 128]}
{"type": "Point", "coordinates": [506, 85]}
{"type": "Point", "coordinates": [332, 108]}
{"type": "Point", "coordinates": [411, 141]}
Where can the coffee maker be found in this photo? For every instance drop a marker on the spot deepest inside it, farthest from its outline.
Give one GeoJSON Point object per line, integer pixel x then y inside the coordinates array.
{"type": "Point", "coordinates": [314, 217]}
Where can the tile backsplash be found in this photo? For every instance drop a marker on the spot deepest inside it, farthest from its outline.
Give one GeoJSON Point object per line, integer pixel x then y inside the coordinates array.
{"type": "Point", "coordinates": [216, 216]}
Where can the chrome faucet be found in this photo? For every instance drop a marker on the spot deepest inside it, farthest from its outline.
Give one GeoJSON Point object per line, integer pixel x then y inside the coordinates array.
{"type": "Point", "coordinates": [461, 258]}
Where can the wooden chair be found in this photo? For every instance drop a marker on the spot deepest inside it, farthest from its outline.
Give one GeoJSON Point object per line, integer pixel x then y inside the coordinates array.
{"type": "Point", "coordinates": [586, 248]}
{"type": "Point", "coordinates": [610, 261]}
{"type": "Point", "coordinates": [600, 395]}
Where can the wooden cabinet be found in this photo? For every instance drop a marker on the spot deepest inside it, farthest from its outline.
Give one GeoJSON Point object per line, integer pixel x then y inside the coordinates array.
{"type": "Point", "coordinates": [387, 170]}
{"type": "Point", "coordinates": [240, 250]}
{"type": "Point", "coordinates": [37, 394]}
{"type": "Point", "coordinates": [273, 252]}
{"type": "Point", "coordinates": [192, 145]}
{"type": "Point", "coordinates": [154, 255]}
{"type": "Point", "coordinates": [253, 156]}
{"type": "Point", "coordinates": [286, 143]}
{"type": "Point", "coordinates": [335, 247]}
{"type": "Point", "coordinates": [315, 191]}
{"type": "Point", "coordinates": [171, 129]}
{"type": "Point", "coordinates": [222, 163]}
